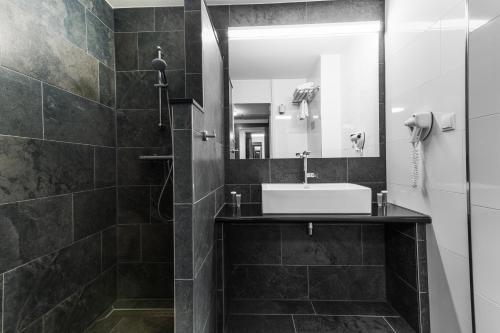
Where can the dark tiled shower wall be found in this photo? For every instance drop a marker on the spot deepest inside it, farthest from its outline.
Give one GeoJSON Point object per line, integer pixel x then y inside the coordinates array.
{"type": "Point", "coordinates": [138, 32]}
{"type": "Point", "coordinates": [199, 184]}
{"type": "Point", "coordinates": [145, 225]}
{"type": "Point", "coordinates": [199, 179]}
{"type": "Point", "coordinates": [58, 164]}
{"type": "Point", "coordinates": [246, 175]}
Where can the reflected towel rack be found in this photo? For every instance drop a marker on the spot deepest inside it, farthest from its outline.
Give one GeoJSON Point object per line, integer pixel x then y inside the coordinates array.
{"type": "Point", "coordinates": [306, 94]}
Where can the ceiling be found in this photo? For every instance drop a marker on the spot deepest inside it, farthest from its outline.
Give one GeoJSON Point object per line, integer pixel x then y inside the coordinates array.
{"type": "Point", "coordinates": [169, 3]}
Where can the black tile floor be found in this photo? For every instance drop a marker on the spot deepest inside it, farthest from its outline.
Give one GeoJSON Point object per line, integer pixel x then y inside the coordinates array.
{"type": "Point", "coordinates": [314, 317]}
{"type": "Point", "coordinates": [136, 316]}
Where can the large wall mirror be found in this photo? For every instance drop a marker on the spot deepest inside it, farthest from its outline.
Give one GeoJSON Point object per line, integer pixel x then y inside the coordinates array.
{"type": "Point", "coordinates": [311, 87]}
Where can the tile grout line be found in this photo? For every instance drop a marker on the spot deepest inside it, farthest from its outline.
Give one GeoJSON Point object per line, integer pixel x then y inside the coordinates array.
{"type": "Point", "coordinates": [102, 256]}
{"type": "Point", "coordinates": [73, 216]}
{"type": "Point", "coordinates": [86, 33]}
{"type": "Point", "coordinates": [185, 62]}
{"type": "Point", "coordinates": [43, 115]}
{"type": "Point", "coordinates": [281, 245]}
{"type": "Point", "coordinates": [403, 280]}
{"type": "Point", "coordinates": [3, 303]}
{"type": "Point", "coordinates": [50, 253]}
{"type": "Point", "coordinates": [93, 170]}
{"type": "Point", "coordinates": [46, 197]}
{"type": "Point", "coordinates": [137, 49]}
{"type": "Point", "coordinates": [150, 208]}
{"type": "Point", "coordinates": [417, 253]}
{"type": "Point", "coordinates": [302, 300]}
{"type": "Point", "coordinates": [392, 328]}
{"type": "Point", "coordinates": [99, 81]}
{"type": "Point", "coordinates": [44, 316]}
{"type": "Point", "coordinates": [308, 283]}
{"type": "Point", "coordinates": [314, 309]}
{"type": "Point", "coordinates": [140, 243]}
{"type": "Point", "coordinates": [63, 142]}
{"type": "Point", "coordinates": [347, 169]}
{"type": "Point", "coordinates": [293, 323]}
{"type": "Point", "coordinates": [300, 265]}
{"type": "Point", "coordinates": [309, 315]}
{"type": "Point", "coordinates": [195, 274]}
{"type": "Point", "coordinates": [362, 246]}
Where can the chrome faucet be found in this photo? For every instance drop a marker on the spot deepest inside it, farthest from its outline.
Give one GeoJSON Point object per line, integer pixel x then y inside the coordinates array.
{"type": "Point", "coordinates": [307, 175]}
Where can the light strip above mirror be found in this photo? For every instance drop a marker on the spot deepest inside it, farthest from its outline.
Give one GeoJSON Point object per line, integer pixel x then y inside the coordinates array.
{"type": "Point", "coordinates": [304, 30]}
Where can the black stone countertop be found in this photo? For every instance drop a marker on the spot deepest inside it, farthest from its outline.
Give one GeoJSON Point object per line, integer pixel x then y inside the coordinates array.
{"type": "Point", "coordinates": [253, 213]}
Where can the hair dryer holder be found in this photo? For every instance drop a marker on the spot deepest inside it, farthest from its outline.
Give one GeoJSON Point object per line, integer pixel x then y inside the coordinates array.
{"type": "Point", "coordinates": [420, 126]}
{"type": "Point", "coordinates": [358, 141]}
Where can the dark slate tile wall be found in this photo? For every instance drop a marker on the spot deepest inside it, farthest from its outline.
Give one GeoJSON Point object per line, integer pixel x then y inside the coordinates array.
{"type": "Point", "coordinates": [58, 164]}
{"type": "Point", "coordinates": [145, 223]}
{"type": "Point", "coordinates": [196, 204]}
{"type": "Point", "coordinates": [407, 286]}
{"type": "Point", "coordinates": [199, 179]}
{"type": "Point", "coordinates": [247, 175]}
{"type": "Point", "coordinates": [137, 33]}
{"type": "Point", "coordinates": [338, 262]}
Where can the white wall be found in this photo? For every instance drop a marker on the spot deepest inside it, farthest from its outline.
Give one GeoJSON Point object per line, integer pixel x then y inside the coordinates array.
{"type": "Point", "coordinates": [288, 134]}
{"type": "Point", "coordinates": [426, 72]}
{"type": "Point", "coordinates": [360, 95]}
{"type": "Point", "coordinates": [331, 101]}
{"type": "Point", "coordinates": [314, 122]}
{"type": "Point", "coordinates": [484, 115]}
{"type": "Point", "coordinates": [251, 91]}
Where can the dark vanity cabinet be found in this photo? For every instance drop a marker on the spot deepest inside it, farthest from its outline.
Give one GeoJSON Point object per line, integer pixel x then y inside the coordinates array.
{"type": "Point", "coordinates": [315, 272]}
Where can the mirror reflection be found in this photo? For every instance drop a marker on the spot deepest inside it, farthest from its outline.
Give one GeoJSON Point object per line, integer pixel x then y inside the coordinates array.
{"type": "Point", "coordinates": [302, 88]}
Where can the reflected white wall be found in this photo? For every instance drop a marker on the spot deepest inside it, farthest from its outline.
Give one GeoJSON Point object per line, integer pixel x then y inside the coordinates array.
{"type": "Point", "coordinates": [360, 95]}
{"type": "Point", "coordinates": [288, 134]}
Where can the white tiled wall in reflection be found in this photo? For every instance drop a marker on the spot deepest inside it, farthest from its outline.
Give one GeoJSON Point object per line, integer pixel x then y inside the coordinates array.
{"type": "Point", "coordinates": [426, 72]}
{"type": "Point", "coordinates": [484, 114]}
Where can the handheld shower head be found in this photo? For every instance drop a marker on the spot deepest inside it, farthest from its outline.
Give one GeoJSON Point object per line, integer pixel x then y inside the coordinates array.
{"type": "Point", "coordinates": [160, 65]}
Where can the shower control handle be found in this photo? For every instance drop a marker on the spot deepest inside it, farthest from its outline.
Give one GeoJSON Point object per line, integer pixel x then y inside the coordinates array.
{"type": "Point", "coordinates": [206, 136]}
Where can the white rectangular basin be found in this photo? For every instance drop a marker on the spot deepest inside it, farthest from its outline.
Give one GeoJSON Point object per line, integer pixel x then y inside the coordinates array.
{"type": "Point", "coordinates": [334, 198]}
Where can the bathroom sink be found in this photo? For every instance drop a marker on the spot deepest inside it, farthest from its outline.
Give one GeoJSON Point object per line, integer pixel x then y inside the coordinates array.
{"type": "Point", "coordinates": [334, 198]}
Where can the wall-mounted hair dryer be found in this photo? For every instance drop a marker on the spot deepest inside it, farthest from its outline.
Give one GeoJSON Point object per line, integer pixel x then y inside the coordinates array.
{"type": "Point", "coordinates": [420, 126]}
{"type": "Point", "coordinates": [358, 141]}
